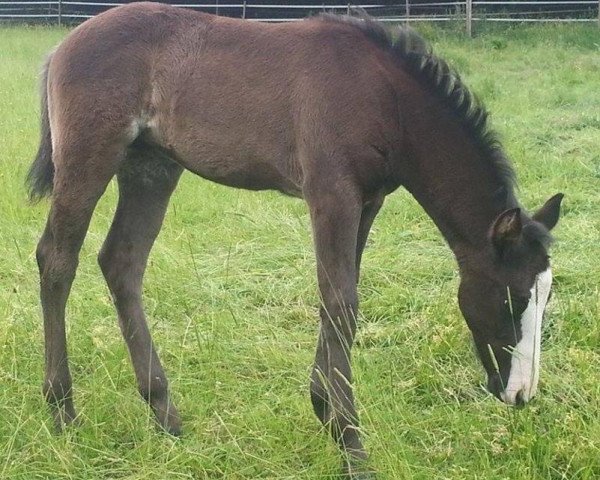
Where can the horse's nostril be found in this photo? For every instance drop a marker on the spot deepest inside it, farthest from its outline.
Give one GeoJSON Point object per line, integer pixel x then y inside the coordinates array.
{"type": "Point", "coordinates": [519, 400]}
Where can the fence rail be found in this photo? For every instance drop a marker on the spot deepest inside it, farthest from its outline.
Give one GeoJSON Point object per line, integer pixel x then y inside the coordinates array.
{"type": "Point", "coordinates": [467, 11]}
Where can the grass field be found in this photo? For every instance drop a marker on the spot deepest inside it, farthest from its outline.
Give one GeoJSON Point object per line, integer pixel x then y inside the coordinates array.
{"type": "Point", "coordinates": [231, 296]}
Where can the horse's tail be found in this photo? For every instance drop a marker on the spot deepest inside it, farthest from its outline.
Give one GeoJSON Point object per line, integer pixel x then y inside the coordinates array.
{"type": "Point", "coordinates": [40, 178]}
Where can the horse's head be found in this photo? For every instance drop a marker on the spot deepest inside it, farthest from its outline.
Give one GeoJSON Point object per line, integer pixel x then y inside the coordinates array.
{"type": "Point", "coordinates": [503, 295]}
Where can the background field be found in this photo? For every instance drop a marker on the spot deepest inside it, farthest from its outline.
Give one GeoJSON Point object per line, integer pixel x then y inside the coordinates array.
{"type": "Point", "coordinates": [232, 300]}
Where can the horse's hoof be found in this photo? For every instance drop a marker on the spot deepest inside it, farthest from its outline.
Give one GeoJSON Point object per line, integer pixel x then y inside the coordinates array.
{"type": "Point", "coordinates": [64, 416]}
{"type": "Point", "coordinates": [174, 430]}
{"type": "Point", "coordinates": [168, 419]}
{"type": "Point", "coordinates": [171, 425]}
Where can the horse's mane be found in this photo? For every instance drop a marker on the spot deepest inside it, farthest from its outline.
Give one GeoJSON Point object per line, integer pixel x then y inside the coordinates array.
{"type": "Point", "coordinates": [442, 80]}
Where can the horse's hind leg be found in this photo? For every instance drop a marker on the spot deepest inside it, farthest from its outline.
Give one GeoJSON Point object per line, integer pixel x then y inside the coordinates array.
{"type": "Point", "coordinates": [146, 181]}
{"type": "Point", "coordinates": [80, 178]}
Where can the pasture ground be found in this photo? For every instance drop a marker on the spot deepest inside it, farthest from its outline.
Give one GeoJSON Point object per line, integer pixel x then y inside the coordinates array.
{"type": "Point", "coordinates": [231, 296]}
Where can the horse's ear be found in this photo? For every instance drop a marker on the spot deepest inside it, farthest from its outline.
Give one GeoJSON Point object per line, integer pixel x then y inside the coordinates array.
{"type": "Point", "coordinates": [506, 230]}
{"type": "Point", "coordinates": [549, 213]}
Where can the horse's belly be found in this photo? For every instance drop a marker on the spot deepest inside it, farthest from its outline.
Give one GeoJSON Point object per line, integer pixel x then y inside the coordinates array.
{"type": "Point", "coordinates": [236, 168]}
{"type": "Point", "coordinates": [258, 176]}
{"type": "Point", "coordinates": [247, 155]}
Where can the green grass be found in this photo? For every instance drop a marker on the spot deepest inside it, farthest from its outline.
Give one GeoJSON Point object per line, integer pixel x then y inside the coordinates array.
{"type": "Point", "coordinates": [231, 297]}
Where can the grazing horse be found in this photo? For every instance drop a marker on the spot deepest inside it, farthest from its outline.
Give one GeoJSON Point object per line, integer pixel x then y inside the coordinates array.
{"type": "Point", "coordinates": [332, 110]}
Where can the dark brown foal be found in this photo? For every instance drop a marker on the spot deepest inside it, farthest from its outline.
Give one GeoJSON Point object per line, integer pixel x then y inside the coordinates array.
{"type": "Point", "coordinates": [331, 110]}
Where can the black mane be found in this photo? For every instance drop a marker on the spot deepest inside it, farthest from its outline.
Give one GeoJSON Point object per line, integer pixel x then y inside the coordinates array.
{"type": "Point", "coordinates": [444, 82]}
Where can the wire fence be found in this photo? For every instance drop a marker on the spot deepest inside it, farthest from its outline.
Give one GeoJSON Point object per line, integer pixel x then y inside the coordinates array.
{"type": "Point", "coordinates": [465, 11]}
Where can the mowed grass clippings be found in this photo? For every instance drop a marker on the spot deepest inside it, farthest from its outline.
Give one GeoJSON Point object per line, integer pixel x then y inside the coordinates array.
{"type": "Point", "coordinates": [232, 302]}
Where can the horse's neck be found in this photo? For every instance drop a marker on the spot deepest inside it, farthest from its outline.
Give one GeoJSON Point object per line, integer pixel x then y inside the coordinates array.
{"type": "Point", "coordinates": [458, 189]}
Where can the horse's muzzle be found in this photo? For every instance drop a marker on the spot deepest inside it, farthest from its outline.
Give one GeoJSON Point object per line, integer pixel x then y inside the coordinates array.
{"type": "Point", "coordinates": [495, 387]}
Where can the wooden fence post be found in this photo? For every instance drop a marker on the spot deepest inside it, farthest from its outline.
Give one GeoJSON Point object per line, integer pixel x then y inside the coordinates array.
{"type": "Point", "coordinates": [244, 10]}
{"type": "Point", "coordinates": [407, 13]}
{"type": "Point", "coordinates": [469, 17]}
{"type": "Point", "coordinates": [60, 13]}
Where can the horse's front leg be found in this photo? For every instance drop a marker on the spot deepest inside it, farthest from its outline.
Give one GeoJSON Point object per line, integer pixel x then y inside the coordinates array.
{"type": "Point", "coordinates": [335, 218]}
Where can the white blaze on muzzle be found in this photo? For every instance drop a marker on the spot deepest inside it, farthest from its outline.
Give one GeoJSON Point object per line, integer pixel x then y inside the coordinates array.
{"type": "Point", "coordinates": [525, 364]}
